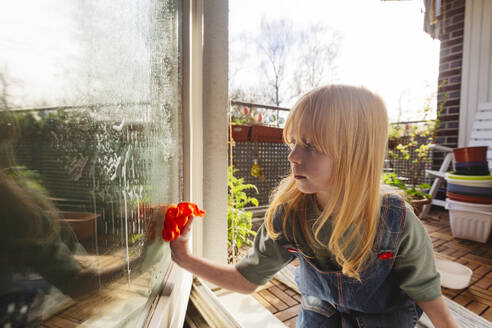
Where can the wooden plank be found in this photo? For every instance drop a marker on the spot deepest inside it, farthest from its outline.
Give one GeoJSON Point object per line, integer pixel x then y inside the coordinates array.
{"type": "Point", "coordinates": [443, 256]}
{"type": "Point", "coordinates": [476, 297]}
{"type": "Point", "coordinates": [450, 293]}
{"type": "Point", "coordinates": [431, 228]}
{"type": "Point", "coordinates": [265, 286]}
{"type": "Point", "coordinates": [459, 253]}
{"type": "Point", "coordinates": [279, 284]}
{"type": "Point", "coordinates": [462, 300]}
{"type": "Point", "coordinates": [88, 307]}
{"type": "Point", "coordinates": [57, 322]}
{"type": "Point", "coordinates": [288, 313]}
{"type": "Point", "coordinates": [482, 125]}
{"type": "Point", "coordinates": [485, 135]}
{"type": "Point", "coordinates": [291, 323]}
{"type": "Point", "coordinates": [297, 297]}
{"type": "Point", "coordinates": [273, 300]}
{"type": "Point", "coordinates": [450, 252]}
{"type": "Point", "coordinates": [485, 251]}
{"type": "Point", "coordinates": [480, 272]}
{"type": "Point", "coordinates": [478, 259]}
{"type": "Point", "coordinates": [441, 249]}
{"type": "Point", "coordinates": [441, 235]}
{"type": "Point", "coordinates": [484, 283]}
{"type": "Point", "coordinates": [488, 314]}
{"type": "Point", "coordinates": [283, 296]}
{"type": "Point", "coordinates": [438, 243]}
{"type": "Point", "coordinates": [477, 307]}
{"type": "Point", "coordinates": [290, 292]}
{"type": "Point", "coordinates": [62, 315]}
{"type": "Point", "coordinates": [483, 107]}
{"type": "Point", "coordinates": [480, 142]}
{"type": "Point", "coordinates": [483, 115]}
{"type": "Point", "coordinates": [480, 295]}
{"type": "Point", "coordinates": [472, 265]}
{"type": "Point", "coordinates": [462, 261]}
{"type": "Point", "coordinates": [265, 303]}
{"type": "Point", "coordinates": [462, 244]}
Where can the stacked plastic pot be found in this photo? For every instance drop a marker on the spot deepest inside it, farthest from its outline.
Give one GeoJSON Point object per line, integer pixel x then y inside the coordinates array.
{"type": "Point", "coordinates": [469, 194]}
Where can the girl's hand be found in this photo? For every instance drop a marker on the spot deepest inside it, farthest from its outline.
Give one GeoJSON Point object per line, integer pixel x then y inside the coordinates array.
{"type": "Point", "coordinates": [438, 313]}
{"type": "Point", "coordinates": [180, 247]}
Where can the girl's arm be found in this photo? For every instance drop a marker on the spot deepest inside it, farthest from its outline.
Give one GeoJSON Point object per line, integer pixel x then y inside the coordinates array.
{"type": "Point", "coordinates": [223, 275]}
{"type": "Point", "coordinates": [438, 313]}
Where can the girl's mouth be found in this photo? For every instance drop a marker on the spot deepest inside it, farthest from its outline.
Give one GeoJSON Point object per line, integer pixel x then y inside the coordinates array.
{"type": "Point", "coordinates": [299, 177]}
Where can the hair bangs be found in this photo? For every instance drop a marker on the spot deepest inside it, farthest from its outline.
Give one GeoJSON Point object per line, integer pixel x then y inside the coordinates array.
{"type": "Point", "coordinates": [307, 121]}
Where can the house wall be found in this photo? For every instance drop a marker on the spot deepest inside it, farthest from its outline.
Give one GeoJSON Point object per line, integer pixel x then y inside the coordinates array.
{"type": "Point", "coordinates": [451, 34]}
{"type": "Point", "coordinates": [477, 64]}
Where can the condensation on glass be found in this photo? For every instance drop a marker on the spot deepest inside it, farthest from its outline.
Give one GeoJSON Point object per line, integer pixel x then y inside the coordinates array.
{"type": "Point", "coordinates": [90, 149]}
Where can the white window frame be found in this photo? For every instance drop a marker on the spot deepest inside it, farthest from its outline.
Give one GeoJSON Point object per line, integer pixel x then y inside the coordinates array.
{"type": "Point", "coordinates": [204, 106]}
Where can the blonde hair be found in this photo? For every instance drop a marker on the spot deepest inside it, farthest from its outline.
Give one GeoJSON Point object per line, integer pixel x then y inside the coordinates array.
{"type": "Point", "coordinates": [349, 124]}
{"type": "Point", "coordinates": [23, 207]}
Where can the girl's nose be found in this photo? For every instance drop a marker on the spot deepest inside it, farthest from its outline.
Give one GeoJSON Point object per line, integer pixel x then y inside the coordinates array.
{"type": "Point", "coordinates": [293, 156]}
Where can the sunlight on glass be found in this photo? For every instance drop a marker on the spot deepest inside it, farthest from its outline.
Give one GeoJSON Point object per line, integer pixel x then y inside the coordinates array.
{"type": "Point", "coordinates": [89, 91]}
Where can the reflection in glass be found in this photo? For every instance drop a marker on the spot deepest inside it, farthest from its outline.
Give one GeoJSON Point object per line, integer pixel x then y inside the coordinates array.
{"type": "Point", "coordinates": [89, 146]}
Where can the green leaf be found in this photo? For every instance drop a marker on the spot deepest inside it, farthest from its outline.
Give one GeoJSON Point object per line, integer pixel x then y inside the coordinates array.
{"type": "Point", "coordinates": [236, 216]}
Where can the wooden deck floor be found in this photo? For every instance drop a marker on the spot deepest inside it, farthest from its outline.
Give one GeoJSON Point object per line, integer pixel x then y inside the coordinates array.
{"type": "Point", "coordinates": [116, 301]}
{"type": "Point", "coordinates": [284, 302]}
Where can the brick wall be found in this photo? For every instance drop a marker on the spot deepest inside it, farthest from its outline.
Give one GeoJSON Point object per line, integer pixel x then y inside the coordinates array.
{"type": "Point", "coordinates": [451, 57]}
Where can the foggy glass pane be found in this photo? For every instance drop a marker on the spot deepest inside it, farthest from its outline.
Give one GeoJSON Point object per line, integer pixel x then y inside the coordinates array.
{"type": "Point", "coordinates": [90, 147]}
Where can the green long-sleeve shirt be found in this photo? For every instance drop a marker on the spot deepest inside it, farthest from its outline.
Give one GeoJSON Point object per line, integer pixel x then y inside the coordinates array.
{"type": "Point", "coordinates": [414, 264]}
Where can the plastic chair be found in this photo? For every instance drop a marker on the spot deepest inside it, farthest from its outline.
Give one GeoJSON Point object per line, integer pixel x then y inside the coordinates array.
{"type": "Point", "coordinates": [481, 135]}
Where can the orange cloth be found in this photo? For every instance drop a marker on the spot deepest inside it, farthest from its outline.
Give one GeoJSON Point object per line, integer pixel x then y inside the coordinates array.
{"type": "Point", "coordinates": [176, 218]}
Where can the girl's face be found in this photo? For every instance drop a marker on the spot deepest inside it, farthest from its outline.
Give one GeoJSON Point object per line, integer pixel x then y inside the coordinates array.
{"type": "Point", "coordinates": [311, 169]}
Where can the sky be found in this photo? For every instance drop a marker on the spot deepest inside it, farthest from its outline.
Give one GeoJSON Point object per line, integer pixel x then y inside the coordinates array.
{"type": "Point", "coordinates": [30, 60]}
{"type": "Point", "coordinates": [383, 45]}
{"type": "Point", "coordinates": [74, 52]}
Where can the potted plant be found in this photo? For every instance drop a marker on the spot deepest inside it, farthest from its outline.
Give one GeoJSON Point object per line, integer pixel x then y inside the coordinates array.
{"type": "Point", "coordinates": [415, 195]}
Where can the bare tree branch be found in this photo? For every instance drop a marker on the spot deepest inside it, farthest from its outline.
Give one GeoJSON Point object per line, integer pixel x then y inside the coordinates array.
{"type": "Point", "coordinates": [291, 60]}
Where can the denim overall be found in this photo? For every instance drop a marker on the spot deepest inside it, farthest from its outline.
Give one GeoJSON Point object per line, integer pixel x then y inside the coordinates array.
{"type": "Point", "coordinates": [330, 299]}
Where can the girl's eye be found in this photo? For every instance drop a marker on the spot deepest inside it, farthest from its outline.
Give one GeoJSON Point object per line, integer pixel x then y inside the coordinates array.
{"type": "Point", "coordinates": [305, 145]}
{"type": "Point", "coordinates": [309, 146]}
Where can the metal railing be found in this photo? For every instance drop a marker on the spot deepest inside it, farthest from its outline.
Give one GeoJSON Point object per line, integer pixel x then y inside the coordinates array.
{"type": "Point", "coordinates": [257, 109]}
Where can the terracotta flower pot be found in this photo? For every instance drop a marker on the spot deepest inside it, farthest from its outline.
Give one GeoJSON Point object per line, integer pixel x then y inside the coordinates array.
{"type": "Point", "coordinates": [240, 132]}
{"type": "Point", "coordinates": [82, 223]}
{"type": "Point", "coordinates": [470, 154]}
{"type": "Point", "coordinates": [262, 133]}
{"type": "Point", "coordinates": [418, 205]}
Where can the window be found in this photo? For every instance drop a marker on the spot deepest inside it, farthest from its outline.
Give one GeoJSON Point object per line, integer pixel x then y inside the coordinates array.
{"type": "Point", "coordinates": [89, 104]}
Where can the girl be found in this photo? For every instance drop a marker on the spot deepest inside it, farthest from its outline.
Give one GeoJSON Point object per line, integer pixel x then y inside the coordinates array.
{"type": "Point", "coordinates": [365, 258]}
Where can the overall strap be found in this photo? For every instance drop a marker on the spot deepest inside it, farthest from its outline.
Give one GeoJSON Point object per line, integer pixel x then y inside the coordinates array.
{"type": "Point", "coordinates": [392, 222]}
